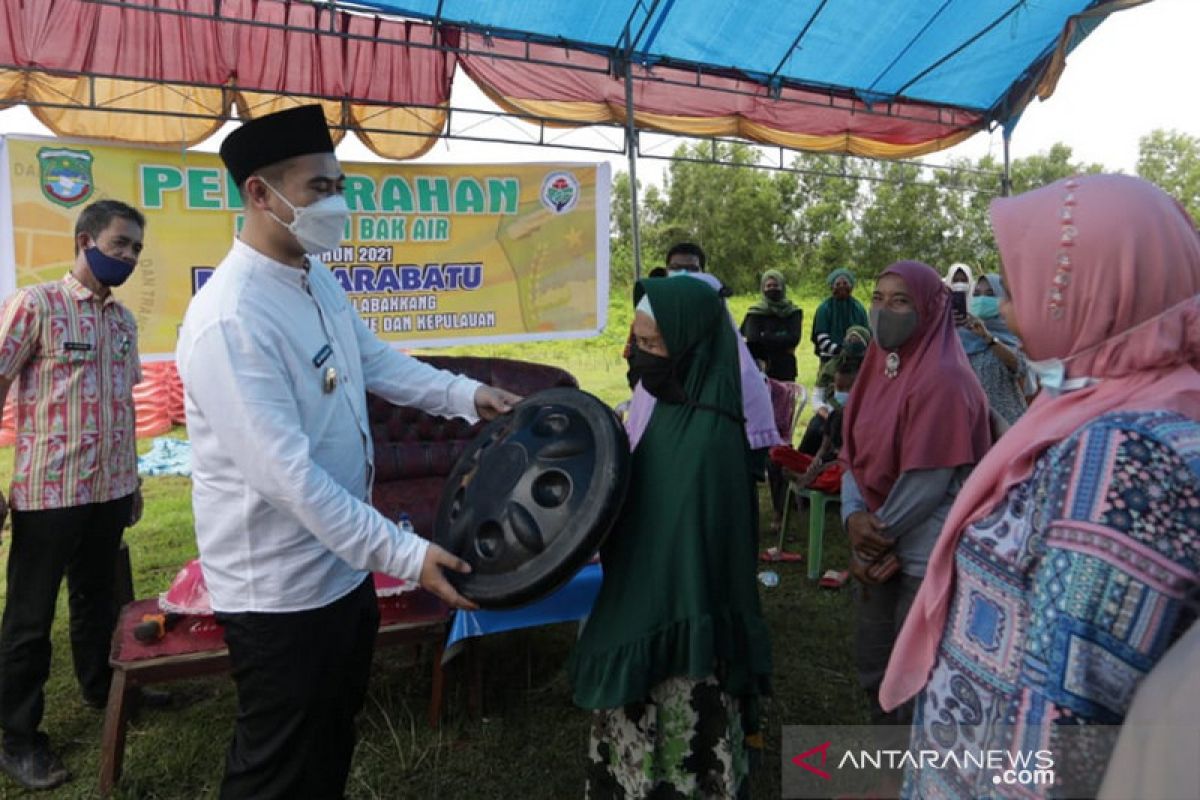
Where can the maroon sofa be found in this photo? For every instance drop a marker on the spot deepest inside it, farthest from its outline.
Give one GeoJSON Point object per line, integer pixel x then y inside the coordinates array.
{"type": "Point", "coordinates": [414, 452]}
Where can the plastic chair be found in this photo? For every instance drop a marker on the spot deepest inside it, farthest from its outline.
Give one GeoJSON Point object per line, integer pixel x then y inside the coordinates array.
{"type": "Point", "coordinates": [797, 394]}
{"type": "Point", "coordinates": [788, 401]}
{"type": "Point", "coordinates": [817, 503]}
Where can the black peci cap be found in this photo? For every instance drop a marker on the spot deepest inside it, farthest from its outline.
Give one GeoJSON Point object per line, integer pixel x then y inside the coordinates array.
{"type": "Point", "coordinates": [276, 137]}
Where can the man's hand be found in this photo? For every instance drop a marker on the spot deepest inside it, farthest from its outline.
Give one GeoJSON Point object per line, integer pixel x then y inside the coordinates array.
{"type": "Point", "coordinates": [491, 402]}
{"type": "Point", "coordinates": [135, 513]}
{"type": "Point", "coordinates": [865, 531]}
{"type": "Point", "coordinates": [434, 581]}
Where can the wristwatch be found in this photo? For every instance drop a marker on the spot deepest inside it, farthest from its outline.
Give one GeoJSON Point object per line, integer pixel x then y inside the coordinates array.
{"type": "Point", "coordinates": [992, 341]}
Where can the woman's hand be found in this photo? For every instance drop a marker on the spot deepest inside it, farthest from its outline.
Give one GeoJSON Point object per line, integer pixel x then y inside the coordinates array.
{"type": "Point", "coordinates": [884, 569]}
{"type": "Point", "coordinates": [872, 573]}
{"type": "Point", "coordinates": [975, 325]}
{"type": "Point", "coordinates": [1007, 357]}
{"type": "Point", "coordinates": [865, 531]}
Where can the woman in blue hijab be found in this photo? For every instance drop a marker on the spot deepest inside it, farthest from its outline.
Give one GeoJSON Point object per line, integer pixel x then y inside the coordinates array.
{"type": "Point", "coordinates": [993, 350]}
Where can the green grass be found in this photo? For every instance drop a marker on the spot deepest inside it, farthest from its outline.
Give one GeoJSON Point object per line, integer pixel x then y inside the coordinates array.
{"type": "Point", "coordinates": [531, 741]}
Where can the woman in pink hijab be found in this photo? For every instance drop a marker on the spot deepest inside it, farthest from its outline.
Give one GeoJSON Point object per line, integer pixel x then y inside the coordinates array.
{"type": "Point", "coordinates": [1071, 560]}
{"type": "Point", "coordinates": [915, 425]}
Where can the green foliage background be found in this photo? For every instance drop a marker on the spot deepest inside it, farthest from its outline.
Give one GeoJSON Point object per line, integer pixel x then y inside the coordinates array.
{"type": "Point", "coordinates": [836, 211]}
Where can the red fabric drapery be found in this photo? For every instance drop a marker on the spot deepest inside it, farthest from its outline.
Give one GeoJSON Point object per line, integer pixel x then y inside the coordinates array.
{"type": "Point", "coordinates": [91, 69]}
{"type": "Point", "coordinates": [675, 100]}
{"type": "Point", "coordinates": [142, 57]}
{"type": "Point", "coordinates": [711, 106]}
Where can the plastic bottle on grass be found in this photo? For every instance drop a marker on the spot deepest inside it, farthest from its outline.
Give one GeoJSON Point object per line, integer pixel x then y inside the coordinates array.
{"type": "Point", "coordinates": [768, 578]}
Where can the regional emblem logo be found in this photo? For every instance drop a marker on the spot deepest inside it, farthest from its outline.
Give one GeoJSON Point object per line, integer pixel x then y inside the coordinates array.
{"type": "Point", "coordinates": [560, 192]}
{"type": "Point", "coordinates": [65, 175]}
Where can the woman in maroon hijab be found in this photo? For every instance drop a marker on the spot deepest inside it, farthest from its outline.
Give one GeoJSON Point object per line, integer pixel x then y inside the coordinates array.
{"type": "Point", "coordinates": [915, 425]}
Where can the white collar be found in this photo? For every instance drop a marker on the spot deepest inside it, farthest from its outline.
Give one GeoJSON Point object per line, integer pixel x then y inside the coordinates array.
{"type": "Point", "coordinates": [275, 269]}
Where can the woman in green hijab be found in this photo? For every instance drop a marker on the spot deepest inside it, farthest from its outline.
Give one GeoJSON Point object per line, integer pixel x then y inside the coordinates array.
{"type": "Point", "coordinates": [676, 648]}
{"type": "Point", "coordinates": [772, 328]}
{"type": "Point", "coordinates": [836, 315]}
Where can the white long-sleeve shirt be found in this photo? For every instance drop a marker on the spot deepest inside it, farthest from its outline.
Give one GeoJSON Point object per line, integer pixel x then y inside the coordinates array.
{"type": "Point", "coordinates": [281, 468]}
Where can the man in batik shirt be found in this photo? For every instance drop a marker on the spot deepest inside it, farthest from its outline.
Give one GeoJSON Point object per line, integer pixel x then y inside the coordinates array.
{"type": "Point", "coordinates": [71, 350]}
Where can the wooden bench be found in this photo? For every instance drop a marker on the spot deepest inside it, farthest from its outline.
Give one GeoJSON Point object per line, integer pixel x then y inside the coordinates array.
{"type": "Point", "coordinates": [195, 647]}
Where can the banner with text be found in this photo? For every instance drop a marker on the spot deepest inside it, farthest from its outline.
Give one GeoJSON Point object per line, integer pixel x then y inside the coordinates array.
{"type": "Point", "coordinates": [434, 254]}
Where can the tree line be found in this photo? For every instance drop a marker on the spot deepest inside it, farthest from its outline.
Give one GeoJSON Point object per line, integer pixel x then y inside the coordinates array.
{"type": "Point", "coordinates": [835, 211]}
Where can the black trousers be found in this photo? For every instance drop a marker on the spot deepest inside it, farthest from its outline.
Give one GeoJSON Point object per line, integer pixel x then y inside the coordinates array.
{"type": "Point", "coordinates": [778, 486]}
{"type": "Point", "coordinates": [810, 443]}
{"type": "Point", "coordinates": [301, 679]}
{"type": "Point", "coordinates": [82, 542]}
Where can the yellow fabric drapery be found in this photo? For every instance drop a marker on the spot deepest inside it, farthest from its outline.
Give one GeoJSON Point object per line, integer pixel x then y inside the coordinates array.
{"type": "Point", "coordinates": [116, 106]}
{"type": "Point", "coordinates": [411, 131]}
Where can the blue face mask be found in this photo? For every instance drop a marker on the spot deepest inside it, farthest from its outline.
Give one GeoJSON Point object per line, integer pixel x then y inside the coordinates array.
{"type": "Point", "coordinates": [107, 270]}
{"type": "Point", "coordinates": [842, 398]}
{"type": "Point", "coordinates": [984, 306]}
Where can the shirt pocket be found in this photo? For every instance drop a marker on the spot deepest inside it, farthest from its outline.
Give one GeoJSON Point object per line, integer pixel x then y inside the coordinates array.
{"type": "Point", "coordinates": [73, 371]}
{"type": "Point", "coordinates": [64, 346]}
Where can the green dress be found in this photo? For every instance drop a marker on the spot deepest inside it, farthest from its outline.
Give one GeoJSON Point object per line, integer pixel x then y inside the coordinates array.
{"type": "Point", "coordinates": [679, 598]}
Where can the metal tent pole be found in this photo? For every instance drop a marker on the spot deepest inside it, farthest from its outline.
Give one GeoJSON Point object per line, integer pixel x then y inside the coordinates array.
{"type": "Point", "coordinates": [631, 149]}
{"type": "Point", "coordinates": [1006, 177]}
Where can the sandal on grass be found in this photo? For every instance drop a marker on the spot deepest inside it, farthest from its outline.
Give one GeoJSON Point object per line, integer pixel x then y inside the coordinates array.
{"type": "Point", "coordinates": [834, 579]}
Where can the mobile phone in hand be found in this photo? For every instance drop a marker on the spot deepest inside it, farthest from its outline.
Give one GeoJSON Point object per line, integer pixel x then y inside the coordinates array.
{"type": "Point", "coordinates": [958, 305]}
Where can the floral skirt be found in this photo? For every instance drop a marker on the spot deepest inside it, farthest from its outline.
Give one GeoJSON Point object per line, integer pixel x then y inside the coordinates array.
{"type": "Point", "coordinates": [684, 741]}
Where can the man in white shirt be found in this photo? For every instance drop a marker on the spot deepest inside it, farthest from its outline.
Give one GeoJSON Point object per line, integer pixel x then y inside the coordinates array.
{"type": "Point", "coordinates": [276, 365]}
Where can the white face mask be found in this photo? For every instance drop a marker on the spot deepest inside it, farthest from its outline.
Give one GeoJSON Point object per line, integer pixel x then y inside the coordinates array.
{"type": "Point", "coordinates": [1051, 374]}
{"type": "Point", "coordinates": [318, 228]}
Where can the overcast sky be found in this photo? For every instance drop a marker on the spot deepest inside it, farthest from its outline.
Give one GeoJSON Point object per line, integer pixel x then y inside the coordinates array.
{"type": "Point", "coordinates": [1135, 73]}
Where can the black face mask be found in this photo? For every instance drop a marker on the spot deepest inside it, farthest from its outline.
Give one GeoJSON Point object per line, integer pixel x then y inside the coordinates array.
{"type": "Point", "coordinates": [774, 295]}
{"type": "Point", "coordinates": [657, 374]}
{"type": "Point", "coordinates": [893, 328]}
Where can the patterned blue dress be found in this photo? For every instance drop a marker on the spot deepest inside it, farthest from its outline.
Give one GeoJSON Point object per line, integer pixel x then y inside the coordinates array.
{"type": "Point", "coordinates": [1065, 597]}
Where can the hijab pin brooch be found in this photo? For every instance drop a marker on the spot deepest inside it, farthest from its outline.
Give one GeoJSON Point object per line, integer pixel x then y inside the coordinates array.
{"type": "Point", "coordinates": [891, 367]}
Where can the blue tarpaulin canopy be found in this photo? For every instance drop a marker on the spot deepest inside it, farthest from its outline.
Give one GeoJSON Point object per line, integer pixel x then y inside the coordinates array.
{"type": "Point", "coordinates": [979, 55]}
{"type": "Point", "coordinates": [877, 78]}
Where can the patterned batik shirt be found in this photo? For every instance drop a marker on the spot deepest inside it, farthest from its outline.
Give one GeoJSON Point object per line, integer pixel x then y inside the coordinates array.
{"type": "Point", "coordinates": [75, 360]}
{"type": "Point", "coordinates": [1065, 597]}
